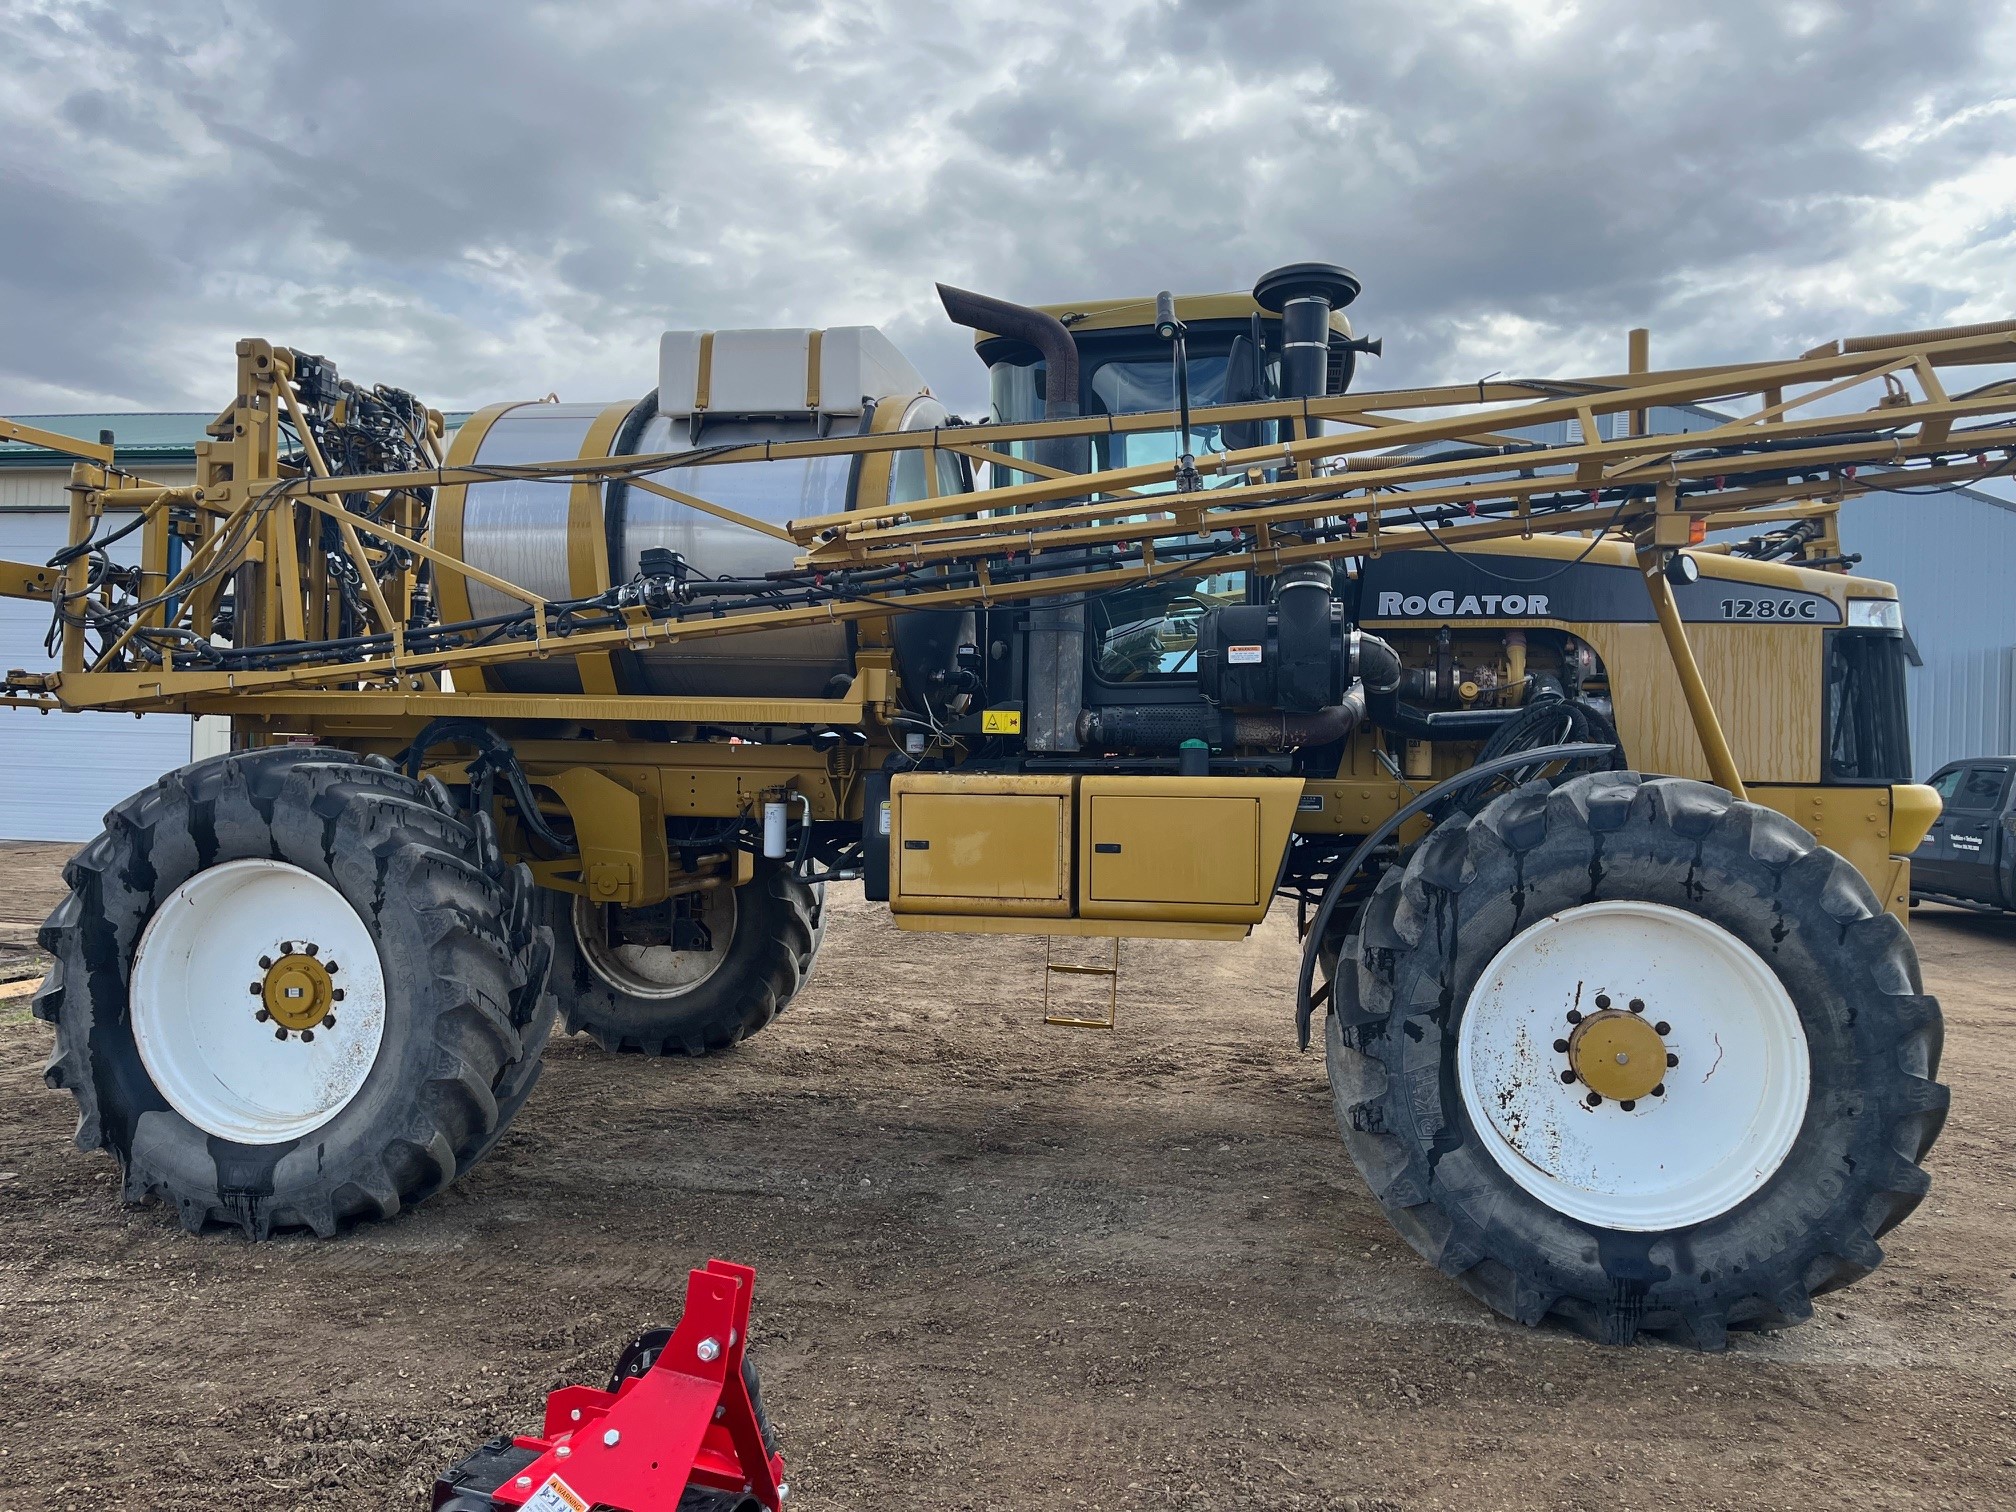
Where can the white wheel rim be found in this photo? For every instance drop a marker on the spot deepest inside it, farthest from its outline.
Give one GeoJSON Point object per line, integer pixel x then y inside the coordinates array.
{"type": "Point", "coordinates": [195, 1021]}
{"type": "Point", "coordinates": [657, 971]}
{"type": "Point", "coordinates": [1727, 1114]}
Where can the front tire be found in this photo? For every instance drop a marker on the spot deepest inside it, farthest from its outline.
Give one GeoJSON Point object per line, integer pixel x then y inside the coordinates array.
{"type": "Point", "coordinates": [293, 990]}
{"type": "Point", "coordinates": [761, 941]}
{"type": "Point", "coordinates": [1559, 945]}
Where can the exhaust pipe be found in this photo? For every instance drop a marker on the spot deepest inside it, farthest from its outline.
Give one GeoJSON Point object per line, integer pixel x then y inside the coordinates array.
{"type": "Point", "coordinates": [1056, 685]}
{"type": "Point", "coordinates": [1049, 335]}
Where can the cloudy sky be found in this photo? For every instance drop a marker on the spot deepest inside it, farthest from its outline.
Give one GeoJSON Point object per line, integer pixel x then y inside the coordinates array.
{"type": "Point", "coordinates": [493, 200]}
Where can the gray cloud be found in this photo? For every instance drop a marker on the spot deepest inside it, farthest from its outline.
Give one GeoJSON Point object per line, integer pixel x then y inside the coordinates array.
{"type": "Point", "coordinates": [481, 202]}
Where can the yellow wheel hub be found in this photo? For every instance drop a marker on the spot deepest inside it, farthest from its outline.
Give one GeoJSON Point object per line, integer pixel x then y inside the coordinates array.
{"type": "Point", "coordinates": [297, 992]}
{"type": "Point", "coordinates": [1618, 1055]}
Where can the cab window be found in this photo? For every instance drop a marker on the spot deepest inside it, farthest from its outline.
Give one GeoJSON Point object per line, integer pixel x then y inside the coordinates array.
{"type": "Point", "coordinates": [1980, 791]}
{"type": "Point", "coordinates": [1149, 631]}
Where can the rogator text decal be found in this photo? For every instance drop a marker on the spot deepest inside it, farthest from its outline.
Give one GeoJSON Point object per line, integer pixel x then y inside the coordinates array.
{"type": "Point", "coordinates": [1444, 601]}
{"type": "Point", "coordinates": [1446, 586]}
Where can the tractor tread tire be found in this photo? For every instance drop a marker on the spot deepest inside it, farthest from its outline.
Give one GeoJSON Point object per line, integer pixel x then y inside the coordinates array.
{"type": "Point", "coordinates": [1874, 1037]}
{"type": "Point", "coordinates": [468, 1005]}
{"type": "Point", "coordinates": [778, 928]}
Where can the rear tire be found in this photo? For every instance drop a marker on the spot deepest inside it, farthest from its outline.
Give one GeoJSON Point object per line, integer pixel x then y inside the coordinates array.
{"type": "Point", "coordinates": [1691, 1209]}
{"type": "Point", "coordinates": [197, 1087]}
{"type": "Point", "coordinates": [662, 1002]}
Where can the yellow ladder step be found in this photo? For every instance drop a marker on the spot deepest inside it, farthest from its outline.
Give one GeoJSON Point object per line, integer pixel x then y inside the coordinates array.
{"type": "Point", "coordinates": [1054, 968]}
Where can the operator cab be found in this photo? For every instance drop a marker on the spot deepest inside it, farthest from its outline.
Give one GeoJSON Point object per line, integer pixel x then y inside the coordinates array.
{"type": "Point", "coordinates": [1141, 642]}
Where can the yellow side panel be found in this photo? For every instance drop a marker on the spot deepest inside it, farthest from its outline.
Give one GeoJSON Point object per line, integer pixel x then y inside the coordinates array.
{"type": "Point", "coordinates": [1856, 822]}
{"type": "Point", "coordinates": [1095, 929]}
{"type": "Point", "coordinates": [980, 845]}
{"type": "Point", "coordinates": [1182, 849]}
{"type": "Point", "coordinates": [1173, 850]}
{"type": "Point", "coordinates": [1766, 682]}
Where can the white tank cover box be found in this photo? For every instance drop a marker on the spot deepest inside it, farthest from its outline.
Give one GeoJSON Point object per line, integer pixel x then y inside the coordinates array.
{"type": "Point", "coordinates": [772, 372]}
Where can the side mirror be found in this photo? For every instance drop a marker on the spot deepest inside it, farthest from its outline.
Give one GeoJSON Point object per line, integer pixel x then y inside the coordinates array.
{"type": "Point", "coordinates": [1245, 383]}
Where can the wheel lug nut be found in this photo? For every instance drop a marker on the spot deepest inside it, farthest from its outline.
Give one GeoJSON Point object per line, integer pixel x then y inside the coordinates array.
{"type": "Point", "coordinates": [1602, 1000]}
{"type": "Point", "coordinates": [1637, 1005]}
{"type": "Point", "coordinates": [1672, 1061]}
{"type": "Point", "coordinates": [265, 963]}
{"type": "Point", "coordinates": [336, 995]}
{"type": "Point", "coordinates": [280, 1034]}
{"type": "Point", "coordinates": [1662, 1027]}
{"type": "Point", "coordinates": [313, 949]}
{"type": "Point", "coordinates": [1660, 1090]}
{"type": "Point", "coordinates": [331, 967]}
{"type": "Point", "coordinates": [257, 988]}
{"type": "Point", "coordinates": [262, 1015]}
{"type": "Point", "coordinates": [1567, 1076]}
{"type": "Point", "coordinates": [307, 1036]}
{"type": "Point", "coordinates": [1628, 1104]}
{"type": "Point", "coordinates": [1561, 1047]}
{"type": "Point", "coordinates": [328, 1021]}
{"type": "Point", "coordinates": [1574, 1017]}
{"type": "Point", "coordinates": [1594, 1099]}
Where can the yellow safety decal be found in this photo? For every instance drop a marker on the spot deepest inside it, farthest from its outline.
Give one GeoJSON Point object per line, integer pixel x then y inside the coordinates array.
{"type": "Point", "coordinates": [1001, 722]}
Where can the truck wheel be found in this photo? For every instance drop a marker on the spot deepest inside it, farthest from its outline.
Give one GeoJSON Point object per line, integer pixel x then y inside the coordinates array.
{"type": "Point", "coordinates": [293, 990]}
{"type": "Point", "coordinates": [762, 937]}
{"type": "Point", "coordinates": [1638, 1055]}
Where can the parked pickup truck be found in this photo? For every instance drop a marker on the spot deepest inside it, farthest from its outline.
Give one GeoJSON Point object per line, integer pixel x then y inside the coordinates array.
{"type": "Point", "coordinates": [1969, 854]}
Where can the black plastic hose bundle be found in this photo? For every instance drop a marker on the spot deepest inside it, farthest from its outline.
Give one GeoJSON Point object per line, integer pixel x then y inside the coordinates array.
{"type": "Point", "coordinates": [1547, 722]}
{"type": "Point", "coordinates": [494, 758]}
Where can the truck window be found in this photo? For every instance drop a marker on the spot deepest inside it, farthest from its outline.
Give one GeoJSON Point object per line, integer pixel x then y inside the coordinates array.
{"type": "Point", "coordinates": [1980, 792]}
{"type": "Point", "coordinates": [1945, 783]}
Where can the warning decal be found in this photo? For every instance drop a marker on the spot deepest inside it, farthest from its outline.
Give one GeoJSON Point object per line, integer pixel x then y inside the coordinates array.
{"type": "Point", "coordinates": [556, 1496]}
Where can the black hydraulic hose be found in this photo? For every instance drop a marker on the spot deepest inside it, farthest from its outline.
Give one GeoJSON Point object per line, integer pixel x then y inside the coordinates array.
{"type": "Point", "coordinates": [1376, 663]}
{"type": "Point", "coordinates": [1305, 993]}
{"type": "Point", "coordinates": [1389, 713]}
{"type": "Point", "coordinates": [1547, 721]}
{"type": "Point", "coordinates": [494, 757]}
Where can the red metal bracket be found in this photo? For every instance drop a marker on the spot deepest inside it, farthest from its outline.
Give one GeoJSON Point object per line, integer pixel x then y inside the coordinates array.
{"type": "Point", "coordinates": [686, 1420]}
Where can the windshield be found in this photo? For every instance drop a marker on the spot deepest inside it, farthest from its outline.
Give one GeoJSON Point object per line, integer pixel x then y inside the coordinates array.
{"type": "Point", "coordinates": [1132, 388]}
{"type": "Point", "coordinates": [1138, 385]}
{"type": "Point", "coordinates": [1147, 632]}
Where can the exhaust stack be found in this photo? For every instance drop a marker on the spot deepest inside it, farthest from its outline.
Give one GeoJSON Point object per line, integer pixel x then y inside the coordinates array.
{"type": "Point", "coordinates": [1056, 685]}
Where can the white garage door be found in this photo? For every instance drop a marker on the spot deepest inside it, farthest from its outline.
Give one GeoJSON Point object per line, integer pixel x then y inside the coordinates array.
{"type": "Point", "coordinates": [60, 772]}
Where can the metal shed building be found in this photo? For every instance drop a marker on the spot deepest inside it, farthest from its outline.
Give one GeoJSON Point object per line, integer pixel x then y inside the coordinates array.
{"type": "Point", "coordinates": [1953, 559]}
{"type": "Point", "coordinates": [60, 772]}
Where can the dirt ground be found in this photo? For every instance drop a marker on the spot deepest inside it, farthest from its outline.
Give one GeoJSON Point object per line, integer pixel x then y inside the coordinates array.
{"type": "Point", "coordinates": [1002, 1266]}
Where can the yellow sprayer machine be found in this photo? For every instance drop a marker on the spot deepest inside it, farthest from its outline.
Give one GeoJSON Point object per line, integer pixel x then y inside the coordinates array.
{"type": "Point", "coordinates": [1592, 807]}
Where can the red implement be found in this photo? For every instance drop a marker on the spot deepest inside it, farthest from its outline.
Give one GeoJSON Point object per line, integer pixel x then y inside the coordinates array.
{"type": "Point", "coordinates": [684, 1427]}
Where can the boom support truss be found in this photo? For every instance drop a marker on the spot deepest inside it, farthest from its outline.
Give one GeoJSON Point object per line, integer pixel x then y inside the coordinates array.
{"type": "Point", "coordinates": [300, 534]}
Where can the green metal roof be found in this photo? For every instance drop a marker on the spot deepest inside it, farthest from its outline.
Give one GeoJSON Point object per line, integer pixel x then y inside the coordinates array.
{"type": "Point", "coordinates": [155, 438]}
{"type": "Point", "coordinates": [137, 438]}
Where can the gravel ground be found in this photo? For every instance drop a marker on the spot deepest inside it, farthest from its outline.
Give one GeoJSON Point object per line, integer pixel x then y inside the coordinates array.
{"type": "Point", "coordinates": [1001, 1266]}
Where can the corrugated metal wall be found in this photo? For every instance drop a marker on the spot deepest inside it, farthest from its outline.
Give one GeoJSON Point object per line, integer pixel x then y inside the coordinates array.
{"type": "Point", "coordinates": [60, 772]}
{"type": "Point", "coordinates": [1953, 559]}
